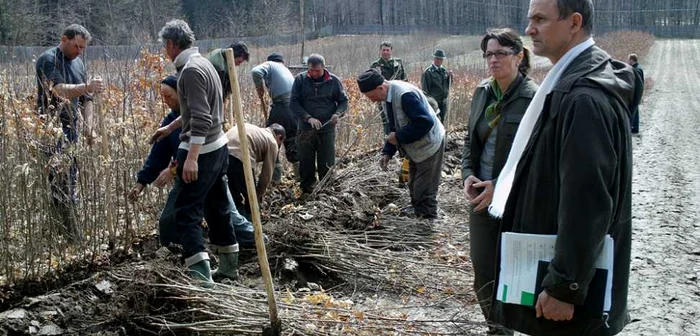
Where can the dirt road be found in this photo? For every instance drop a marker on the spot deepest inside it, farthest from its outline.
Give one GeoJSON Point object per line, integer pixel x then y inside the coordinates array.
{"type": "Point", "coordinates": [664, 292]}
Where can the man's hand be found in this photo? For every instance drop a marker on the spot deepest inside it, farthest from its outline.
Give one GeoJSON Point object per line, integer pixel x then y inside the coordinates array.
{"type": "Point", "coordinates": [392, 139]}
{"type": "Point", "coordinates": [469, 188]}
{"type": "Point", "coordinates": [334, 120]}
{"type": "Point", "coordinates": [135, 192]}
{"type": "Point", "coordinates": [164, 178]}
{"type": "Point", "coordinates": [95, 86]}
{"type": "Point", "coordinates": [189, 171]}
{"type": "Point", "coordinates": [484, 199]}
{"type": "Point", "coordinates": [160, 134]}
{"type": "Point", "coordinates": [315, 123]}
{"type": "Point", "coordinates": [553, 309]}
{"type": "Point", "coordinates": [384, 162]}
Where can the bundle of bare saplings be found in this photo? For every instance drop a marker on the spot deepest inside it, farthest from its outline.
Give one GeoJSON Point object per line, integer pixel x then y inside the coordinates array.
{"type": "Point", "coordinates": [352, 236]}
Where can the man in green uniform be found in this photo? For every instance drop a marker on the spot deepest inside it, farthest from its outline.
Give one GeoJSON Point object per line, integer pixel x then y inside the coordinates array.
{"type": "Point", "coordinates": [390, 67]}
{"type": "Point", "coordinates": [436, 81]}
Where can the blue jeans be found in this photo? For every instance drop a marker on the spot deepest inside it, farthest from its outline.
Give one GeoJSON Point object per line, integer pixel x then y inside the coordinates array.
{"type": "Point", "coordinates": [635, 121]}
{"type": "Point", "coordinates": [207, 197]}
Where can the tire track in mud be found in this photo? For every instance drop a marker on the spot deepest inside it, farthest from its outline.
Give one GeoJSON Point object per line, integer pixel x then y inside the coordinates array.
{"type": "Point", "coordinates": [664, 294]}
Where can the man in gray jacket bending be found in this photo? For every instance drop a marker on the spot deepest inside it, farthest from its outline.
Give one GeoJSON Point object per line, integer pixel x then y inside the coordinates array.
{"type": "Point", "coordinates": [202, 159]}
{"type": "Point", "coordinates": [416, 131]}
{"type": "Point", "coordinates": [279, 80]}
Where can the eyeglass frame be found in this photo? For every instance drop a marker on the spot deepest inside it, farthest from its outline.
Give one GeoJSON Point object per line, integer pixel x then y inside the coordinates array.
{"type": "Point", "coordinates": [500, 54]}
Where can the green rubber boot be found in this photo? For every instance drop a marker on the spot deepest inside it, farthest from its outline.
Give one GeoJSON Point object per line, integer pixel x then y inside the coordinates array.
{"type": "Point", "coordinates": [199, 269]}
{"type": "Point", "coordinates": [228, 263]}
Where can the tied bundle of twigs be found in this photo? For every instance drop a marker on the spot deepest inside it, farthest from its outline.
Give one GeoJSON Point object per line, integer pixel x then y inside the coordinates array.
{"type": "Point", "coordinates": [352, 230]}
{"type": "Point", "coordinates": [174, 304]}
{"type": "Point", "coordinates": [391, 258]}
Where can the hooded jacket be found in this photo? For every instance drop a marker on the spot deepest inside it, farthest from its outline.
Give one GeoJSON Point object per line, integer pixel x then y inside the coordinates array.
{"type": "Point", "coordinates": [574, 180]}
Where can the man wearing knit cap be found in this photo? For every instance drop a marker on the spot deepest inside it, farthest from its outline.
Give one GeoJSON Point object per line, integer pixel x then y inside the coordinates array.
{"type": "Point", "coordinates": [436, 81]}
{"type": "Point", "coordinates": [416, 131]}
{"type": "Point", "coordinates": [278, 80]}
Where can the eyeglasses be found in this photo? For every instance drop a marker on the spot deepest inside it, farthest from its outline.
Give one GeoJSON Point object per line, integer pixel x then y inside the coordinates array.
{"type": "Point", "coordinates": [499, 54]}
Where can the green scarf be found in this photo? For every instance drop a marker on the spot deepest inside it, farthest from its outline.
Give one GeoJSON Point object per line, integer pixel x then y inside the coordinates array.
{"type": "Point", "coordinates": [493, 111]}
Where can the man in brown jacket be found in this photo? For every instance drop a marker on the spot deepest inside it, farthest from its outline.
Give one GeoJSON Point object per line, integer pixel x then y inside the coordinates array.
{"type": "Point", "coordinates": [263, 144]}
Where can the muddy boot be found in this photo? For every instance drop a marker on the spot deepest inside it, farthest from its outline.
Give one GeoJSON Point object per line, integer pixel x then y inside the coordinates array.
{"type": "Point", "coordinates": [199, 270]}
{"type": "Point", "coordinates": [228, 263]}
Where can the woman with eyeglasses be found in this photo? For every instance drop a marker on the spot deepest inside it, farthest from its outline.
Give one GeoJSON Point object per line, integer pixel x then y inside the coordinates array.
{"type": "Point", "coordinates": [498, 105]}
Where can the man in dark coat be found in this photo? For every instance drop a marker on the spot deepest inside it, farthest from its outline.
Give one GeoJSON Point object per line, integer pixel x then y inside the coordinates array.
{"type": "Point", "coordinates": [436, 81]}
{"type": "Point", "coordinates": [573, 175]}
{"type": "Point", "coordinates": [633, 60]}
{"type": "Point", "coordinates": [318, 101]}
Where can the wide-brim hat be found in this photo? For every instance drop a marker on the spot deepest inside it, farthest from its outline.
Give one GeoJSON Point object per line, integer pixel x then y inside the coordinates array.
{"type": "Point", "coordinates": [440, 54]}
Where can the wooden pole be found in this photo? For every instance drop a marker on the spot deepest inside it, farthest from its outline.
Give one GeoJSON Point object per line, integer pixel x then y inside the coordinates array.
{"type": "Point", "coordinates": [303, 36]}
{"type": "Point", "coordinates": [248, 171]}
{"type": "Point", "coordinates": [106, 163]}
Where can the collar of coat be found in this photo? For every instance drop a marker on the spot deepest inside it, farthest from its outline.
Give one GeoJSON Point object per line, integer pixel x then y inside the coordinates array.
{"type": "Point", "coordinates": [326, 75]}
{"type": "Point", "coordinates": [516, 85]}
{"type": "Point", "coordinates": [393, 62]}
{"type": "Point", "coordinates": [185, 56]}
{"type": "Point", "coordinates": [595, 68]}
{"type": "Point", "coordinates": [435, 67]}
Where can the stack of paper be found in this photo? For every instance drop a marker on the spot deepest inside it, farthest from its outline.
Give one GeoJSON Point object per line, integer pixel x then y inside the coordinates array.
{"type": "Point", "coordinates": [520, 257]}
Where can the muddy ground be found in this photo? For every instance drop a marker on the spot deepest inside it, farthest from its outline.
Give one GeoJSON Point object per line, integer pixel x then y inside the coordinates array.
{"type": "Point", "coordinates": [664, 292]}
{"type": "Point", "coordinates": [419, 283]}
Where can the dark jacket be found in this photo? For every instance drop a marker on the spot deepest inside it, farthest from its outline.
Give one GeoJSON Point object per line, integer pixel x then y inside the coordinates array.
{"type": "Point", "coordinates": [638, 87]}
{"type": "Point", "coordinates": [436, 82]}
{"type": "Point", "coordinates": [574, 180]}
{"type": "Point", "coordinates": [319, 100]}
{"type": "Point", "coordinates": [513, 107]}
{"type": "Point", "coordinates": [161, 153]}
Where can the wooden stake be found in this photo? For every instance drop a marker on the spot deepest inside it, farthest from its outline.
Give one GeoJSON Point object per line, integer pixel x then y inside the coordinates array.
{"type": "Point", "coordinates": [248, 170]}
{"type": "Point", "coordinates": [303, 35]}
{"type": "Point", "coordinates": [106, 163]}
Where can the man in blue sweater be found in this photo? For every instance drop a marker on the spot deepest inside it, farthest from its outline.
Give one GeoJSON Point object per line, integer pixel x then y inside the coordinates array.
{"type": "Point", "coordinates": [163, 152]}
{"type": "Point", "coordinates": [415, 131]}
